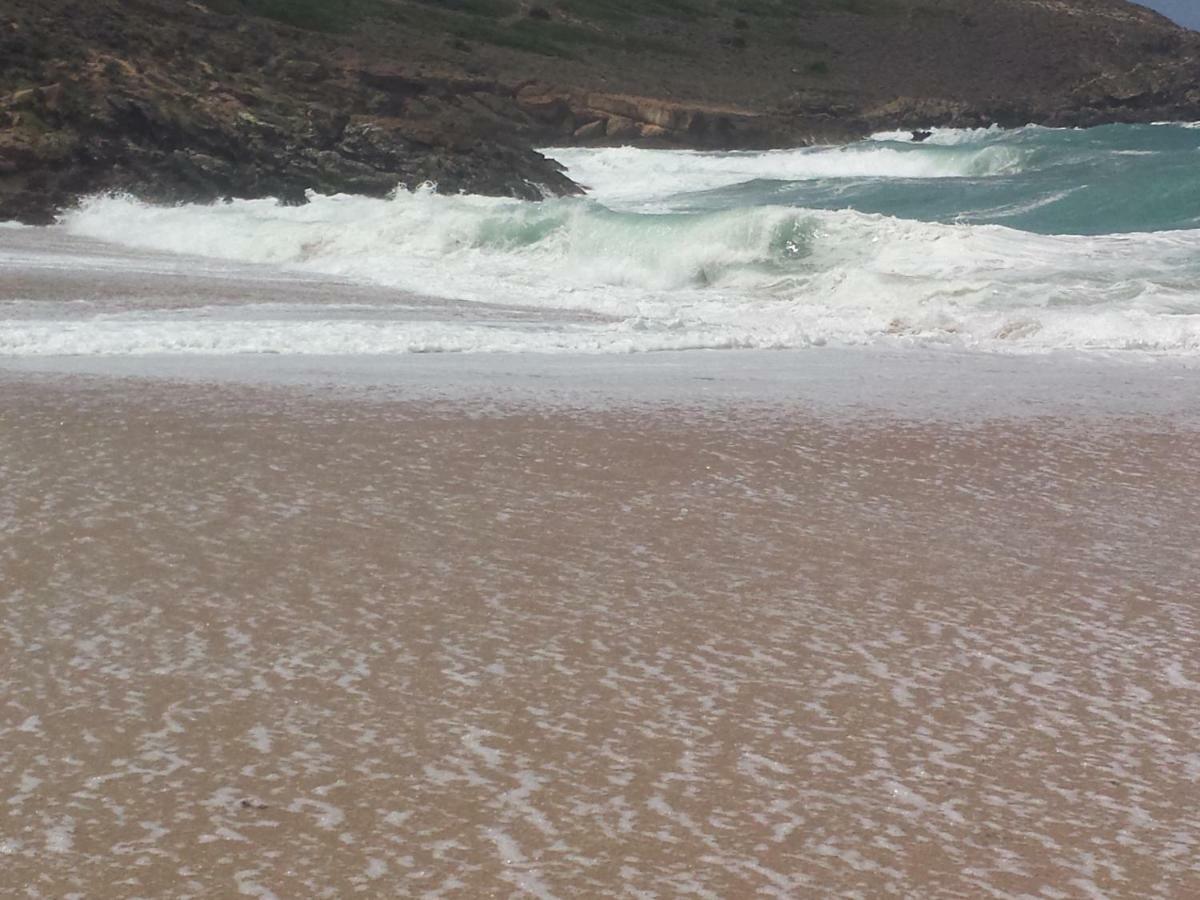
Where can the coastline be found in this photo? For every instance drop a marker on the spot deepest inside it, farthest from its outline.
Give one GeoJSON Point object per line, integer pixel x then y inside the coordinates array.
{"type": "Point", "coordinates": [316, 582]}
{"type": "Point", "coordinates": [245, 99]}
{"type": "Point", "coordinates": [779, 622]}
{"type": "Point", "coordinates": [842, 383]}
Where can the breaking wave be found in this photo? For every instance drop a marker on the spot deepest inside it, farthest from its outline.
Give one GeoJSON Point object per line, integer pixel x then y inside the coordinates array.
{"type": "Point", "coordinates": [754, 277]}
{"type": "Point", "coordinates": [623, 175]}
{"type": "Point", "coordinates": [1029, 240]}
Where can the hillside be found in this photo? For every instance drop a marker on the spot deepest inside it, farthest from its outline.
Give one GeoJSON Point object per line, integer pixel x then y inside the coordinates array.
{"type": "Point", "coordinates": [187, 100]}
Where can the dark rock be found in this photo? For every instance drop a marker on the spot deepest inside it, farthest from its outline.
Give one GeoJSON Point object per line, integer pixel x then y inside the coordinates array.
{"type": "Point", "coordinates": [619, 128]}
{"type": "Point", "coordinates": [544, 107]}
{"type": "Point", "coordinates": [175, 100]}
{"type": "Point", "coordinates": [592, 130]}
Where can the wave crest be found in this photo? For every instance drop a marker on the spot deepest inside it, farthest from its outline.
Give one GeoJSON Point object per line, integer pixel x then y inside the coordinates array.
{"type": "Point", "coordinates": [756, 276]}
{"type": "Point", "coordinates": [624, 175]}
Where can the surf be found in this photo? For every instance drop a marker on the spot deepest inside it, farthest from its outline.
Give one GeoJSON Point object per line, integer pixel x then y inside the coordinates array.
{"type": "Point", "coordinates": [683, 250]}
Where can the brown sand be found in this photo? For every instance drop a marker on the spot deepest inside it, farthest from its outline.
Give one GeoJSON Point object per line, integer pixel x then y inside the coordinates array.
{"type": "Point", "coordinates": [271, 642]}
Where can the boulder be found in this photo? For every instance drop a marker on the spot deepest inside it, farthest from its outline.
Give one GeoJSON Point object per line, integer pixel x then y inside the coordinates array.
{"type": "Point", "coordinates": [592, 130]}
{"type": "Point", "coordinates": [39, 99]}
{"type": "Point", "coordinates": [619, 128]}
{"type": "Point", "coordinates": [549, 108]}
{"type": "Point", "coordinates": [666, 117]}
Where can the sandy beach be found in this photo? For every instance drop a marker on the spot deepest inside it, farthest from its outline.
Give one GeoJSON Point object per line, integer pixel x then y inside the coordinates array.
{"type": "Point", "coordinates": [682, 449]}
{"type": "Point", "coordinates": [450, 636]}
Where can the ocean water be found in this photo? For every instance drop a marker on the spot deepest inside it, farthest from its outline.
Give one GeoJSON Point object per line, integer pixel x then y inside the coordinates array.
{"type": "Point", "coordinates": [1021, 241]}
{"type": "Point", "coordinates": [913, 615]}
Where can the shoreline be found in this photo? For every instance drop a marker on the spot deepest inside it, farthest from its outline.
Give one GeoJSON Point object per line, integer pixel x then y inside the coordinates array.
{"type": "Point", "coordinates": [58, 277]}
{"type": "Point", "coordinates": [246, 98]}
{"type": "Point", "coordinates": [822, 621]}
{"type": "Point", "coordinates": [412, 546]}
{"type": "Point", "coordinates": [912, 384]}
{"type": "Point", "coordinates": [522, 182]}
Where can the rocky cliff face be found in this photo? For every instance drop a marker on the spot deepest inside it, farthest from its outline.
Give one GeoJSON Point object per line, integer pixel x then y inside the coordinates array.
{"type": "Point", "coordinates": [179, 100]}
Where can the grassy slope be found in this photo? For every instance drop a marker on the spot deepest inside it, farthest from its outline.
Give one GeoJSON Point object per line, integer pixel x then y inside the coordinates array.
{"type": "Point", "coordinates": [251, 97]}
{"type": "Point", "coordinates": [756, 53]}
{"type": "Point", "coordinates": [566, 28]}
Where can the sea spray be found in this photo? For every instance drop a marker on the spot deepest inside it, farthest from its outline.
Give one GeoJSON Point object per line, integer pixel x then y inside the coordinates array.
{"type": "Point", "coordinates": [628, 176]}
{"type": "Point", "coordinates": [661, 259]}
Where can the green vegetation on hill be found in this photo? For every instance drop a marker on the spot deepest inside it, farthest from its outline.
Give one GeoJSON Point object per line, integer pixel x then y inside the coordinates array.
{"type": "Point", "coordinates": [562, 28]}
{"type": "Point", "coordinates": [312, 15]}
{"type": "Point", "coordinates": [574, 26]}
{"type": "Point", "coordinates": [217, 98]}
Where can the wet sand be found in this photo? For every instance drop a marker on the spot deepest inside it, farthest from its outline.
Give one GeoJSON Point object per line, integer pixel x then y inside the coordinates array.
{"type": "Point", "coordinates": [294, 641]}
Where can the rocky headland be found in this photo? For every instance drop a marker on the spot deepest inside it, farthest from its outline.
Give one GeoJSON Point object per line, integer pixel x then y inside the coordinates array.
{"type": "Point", "coordinates": [178, 101]}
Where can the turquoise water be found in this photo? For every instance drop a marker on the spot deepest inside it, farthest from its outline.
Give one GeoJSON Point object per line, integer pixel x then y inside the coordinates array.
{"type": "Point", "coordinates": [1110, 180]}
{"type": "Point", "coordinates": [1024, 241]}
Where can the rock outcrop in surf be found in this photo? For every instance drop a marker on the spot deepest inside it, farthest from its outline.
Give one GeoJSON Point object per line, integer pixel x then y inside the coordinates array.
{"type": "Point", "coordinates": [184, 101]}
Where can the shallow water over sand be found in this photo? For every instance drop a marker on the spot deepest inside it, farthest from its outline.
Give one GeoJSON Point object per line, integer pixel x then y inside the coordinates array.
{"type": "Point", "coordinates": [287, 641]}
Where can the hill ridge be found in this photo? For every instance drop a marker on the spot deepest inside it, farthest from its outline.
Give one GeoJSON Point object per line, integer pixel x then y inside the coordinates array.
{"type": "Point", "coordinates": [194, 101]}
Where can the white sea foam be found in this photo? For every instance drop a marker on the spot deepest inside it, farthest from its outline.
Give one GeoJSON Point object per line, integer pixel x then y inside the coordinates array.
{"type": "Point", "coordinates": [755, 277]}
{"type": "Point", "coordinates": [260, 739]}
{"type": "Point", "coordinates": [963, 137]}
{"type": "Point", "coordinates": [60, 838]}
{"type": "Point", "coordinates": [626, 274]}
{"type": "Point", "coordinates": [636, 178]}
{"type": "Point", "coordinates": [947, 137]}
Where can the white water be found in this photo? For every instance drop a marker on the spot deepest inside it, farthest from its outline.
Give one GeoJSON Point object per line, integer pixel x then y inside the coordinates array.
{"type": "Point", "coordinates": [620, 273]}
{"type": "Point", "coordinates": [628, 177]}
{"type": "Point", "coordinates": [948, 137]}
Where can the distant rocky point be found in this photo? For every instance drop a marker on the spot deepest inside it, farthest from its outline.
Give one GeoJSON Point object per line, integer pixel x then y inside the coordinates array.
{"type": "Point", "coordinates": [191, 101]}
